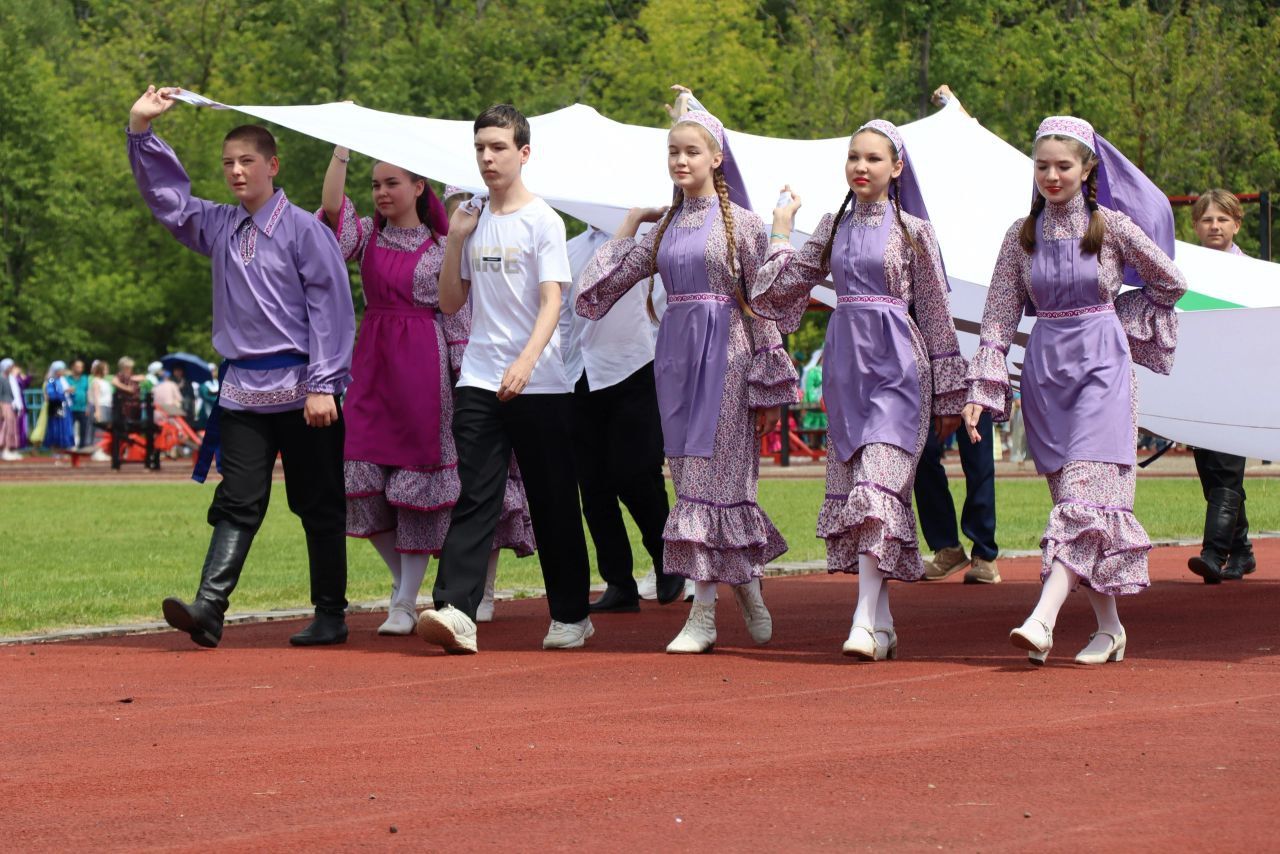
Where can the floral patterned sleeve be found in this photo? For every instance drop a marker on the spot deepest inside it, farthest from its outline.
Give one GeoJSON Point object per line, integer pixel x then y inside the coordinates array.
{"type": "Point", "coordinates": [1147, 314]}
{"type": "Point", "coordinates": [780, 290]}
{"type": "Point", "coordinates": [771, 378]}
{"type": "Point", "coordinates": [988, 375]}
{"type": "Point", "coordinates": [616, 267]}
{"type": "Point", "coordinates": [352, 231]}
{"type": "Point", "coordinates": [929, 293]}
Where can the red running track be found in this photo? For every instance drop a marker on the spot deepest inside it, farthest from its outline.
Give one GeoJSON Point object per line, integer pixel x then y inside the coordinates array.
{"type": "Point", "coordinates": [148, 742]}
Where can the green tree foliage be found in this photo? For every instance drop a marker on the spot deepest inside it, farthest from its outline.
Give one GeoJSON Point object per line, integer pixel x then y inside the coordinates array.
{"type": "Point", "coordinates": [1188, 89]}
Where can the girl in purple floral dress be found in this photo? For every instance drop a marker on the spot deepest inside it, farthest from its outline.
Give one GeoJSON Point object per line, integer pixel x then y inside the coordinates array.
{"type": "Point", "coordinates": [891, 361]}
{"type": "Point", "coordinates": [1096, 223]}
{"type": "Point", "coordinates": [716, 364]}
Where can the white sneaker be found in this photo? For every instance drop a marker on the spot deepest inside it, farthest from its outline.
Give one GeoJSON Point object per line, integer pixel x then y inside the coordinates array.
{"type": "Point", "coordinates": [699, 632]}
{"type": "Point", "coordinates": [751, 602]}
{"type": "Point", "coordinates": [400, 621]}
{"type": "Point", "coordinates": [10, 456]}
{"type": "Point", "coordinates": [568, 635]}
{"type": "Point", "coordinates": [450, 629]}
{"type": "Point", "coordinates": [648, 586]}
{"type": "Point", "coordinates": [100, 456]}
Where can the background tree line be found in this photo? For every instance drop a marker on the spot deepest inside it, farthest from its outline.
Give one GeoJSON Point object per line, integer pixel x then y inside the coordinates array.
{"type": "Point", "coordinates": [1190, 90]}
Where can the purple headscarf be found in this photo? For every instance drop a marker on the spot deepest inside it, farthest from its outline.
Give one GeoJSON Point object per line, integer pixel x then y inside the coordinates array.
{"type": "Point", "coordinates": [732, 176]}
{"type": "Point", "coordinates": [1121, 186]}
{"type": "Point", "coordinates": [909, 198]}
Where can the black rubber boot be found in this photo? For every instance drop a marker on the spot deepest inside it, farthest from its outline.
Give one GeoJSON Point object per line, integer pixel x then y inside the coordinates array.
{"type": "Point", "coordinates": [327, 560]}
{"type": "Point", "coordinates": [1241, 561]}
{"type": "Point", "coordinates": [1219, 525]}
{"type": "Point", "coordinates": [202, 619]}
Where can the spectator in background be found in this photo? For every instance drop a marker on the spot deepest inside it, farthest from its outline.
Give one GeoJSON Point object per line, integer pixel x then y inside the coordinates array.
{"type": "Point", "coordinates": [8, 415]}
{"type": "Point", "coordinates": [19, 380]}
{"type": "Point", "coordinates": [208, 397]}
{"type": "Point", "coordinates": [59, 431]}
{"type": "Point", "coordinates": [166, 397]}
{"type": "Point", "coordinates": [188, 391]}
{"type": "Point", "coordinates": [127, 391]}
{"type": "Point", "coordinates": [1226, 553]}
{"type": "Point", "coordinates": [100, 395]}
{"type": "Point", "coordinates": [78, 382]}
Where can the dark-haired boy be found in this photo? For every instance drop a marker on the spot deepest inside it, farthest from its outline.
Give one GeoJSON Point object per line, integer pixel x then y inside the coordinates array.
{"type": "Point", "coordinates": [283, 320]}
{"type": "Point", "coordinates": [508, 252]}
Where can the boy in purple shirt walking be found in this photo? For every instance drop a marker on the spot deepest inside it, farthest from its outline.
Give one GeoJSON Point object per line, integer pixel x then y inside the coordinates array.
{"type": "Point", "coordinates": [283, 320]}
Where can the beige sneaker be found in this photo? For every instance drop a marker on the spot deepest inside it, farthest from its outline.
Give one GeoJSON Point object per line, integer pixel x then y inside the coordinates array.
{"type": "Point", "coordinates": [982, 572]}
{"type": "Point", "coordinates": [946, 562]}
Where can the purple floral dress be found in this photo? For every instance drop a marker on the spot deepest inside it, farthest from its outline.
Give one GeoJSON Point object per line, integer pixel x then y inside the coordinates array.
{"type": "Point", "coordinates": [868, 503]}
{"type": "Point", "coordinates": [1091, 529]}
{"type": "Point", "coordinates": [417, 504]}
{"type": "Point", "coordinates": [716, 531]}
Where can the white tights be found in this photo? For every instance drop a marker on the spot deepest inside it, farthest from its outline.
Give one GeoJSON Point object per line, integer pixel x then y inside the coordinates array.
{"type": "Point", "coordinates": [407, 570]}
{"type": "Point", "coordinates": [1053, 594]}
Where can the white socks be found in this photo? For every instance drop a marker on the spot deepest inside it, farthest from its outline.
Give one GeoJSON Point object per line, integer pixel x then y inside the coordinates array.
{"type": "Point", "coordinates": [385, 544]}
{"type": "Point", "coordinates": [704, 592]}
{"type": "Point", "coordinates": [1053, 593]}
{"type": "Point", "coordinates": [412, 569]}
{"type": "Point", "coordinates": [871, 587]}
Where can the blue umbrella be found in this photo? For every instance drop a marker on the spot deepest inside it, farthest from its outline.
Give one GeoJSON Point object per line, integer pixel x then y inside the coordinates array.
{"type": "Point", "coordinates": [196, 369]}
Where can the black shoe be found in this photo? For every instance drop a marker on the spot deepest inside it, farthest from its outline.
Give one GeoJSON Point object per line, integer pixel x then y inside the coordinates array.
{"type": "Point", "coordinates": [325, 630]}
{"type": "Point", "coordinates": [1208, 566]}
{"type": "Point", "coordinates": [1239, 564]}
{"type": "Point", "coordinates": [195, 619]}
{"type": "Point", "coordinates": [202, 619]}
{"type": "Point", "coordinates": [615, 601]}
{"type": "Point", "coordinates": [670, 588]}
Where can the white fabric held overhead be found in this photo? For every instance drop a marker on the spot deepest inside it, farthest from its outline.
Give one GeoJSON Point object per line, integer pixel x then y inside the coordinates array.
{"type": "Point", "coordinates": [974, 183]}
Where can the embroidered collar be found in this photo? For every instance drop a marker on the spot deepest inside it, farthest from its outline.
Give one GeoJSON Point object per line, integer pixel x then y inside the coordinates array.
{"type": "Point", "coordinates": [268, 216]}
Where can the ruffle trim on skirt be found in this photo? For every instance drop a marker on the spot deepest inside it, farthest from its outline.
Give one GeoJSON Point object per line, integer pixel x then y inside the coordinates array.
{"type": "Point", "coordinates": [723, 543]}
{"type": "Point", "coordinates": [1105, 546]}
{"type": "Point", "coordinates": [870, 520]}
{"type": "Point", "coordinates": [515, 528]}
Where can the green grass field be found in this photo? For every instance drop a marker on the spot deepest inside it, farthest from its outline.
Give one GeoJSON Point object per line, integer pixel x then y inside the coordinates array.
{"type": "Point", "coordinates": [101, 554]}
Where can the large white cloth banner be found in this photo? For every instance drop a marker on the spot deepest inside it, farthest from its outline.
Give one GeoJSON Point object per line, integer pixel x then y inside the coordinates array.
{"type": "Point", "coordinates": [1223, 394]}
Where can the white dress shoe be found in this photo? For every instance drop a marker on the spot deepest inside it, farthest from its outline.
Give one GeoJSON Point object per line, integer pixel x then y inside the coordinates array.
{"type": "Point", "coordinates": [1113, 651]}
{"type": "Point", "coordinates": [751, 603]}
{"type": "Point", "coordinates": [401, 620]}
{"type": "Point", "coordinates": [1035, 637]}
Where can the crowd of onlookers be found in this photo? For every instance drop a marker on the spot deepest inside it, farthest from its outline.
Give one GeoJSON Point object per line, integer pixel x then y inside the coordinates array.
{"type": "Point", "coordinates": [72, 407]}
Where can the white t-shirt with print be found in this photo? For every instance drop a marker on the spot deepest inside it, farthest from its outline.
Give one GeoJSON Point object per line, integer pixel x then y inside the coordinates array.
{"type": "Point", "coordinates": [505, 259]}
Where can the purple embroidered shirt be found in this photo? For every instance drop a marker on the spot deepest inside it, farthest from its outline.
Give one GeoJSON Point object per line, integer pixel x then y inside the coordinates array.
{"type": "Point", "coordinates": [279, 283]}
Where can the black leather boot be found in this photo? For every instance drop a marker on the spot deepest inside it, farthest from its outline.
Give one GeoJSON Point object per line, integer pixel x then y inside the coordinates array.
{"type": "Point", "coordinates": [1241, 561]}
{"type": "Point", "coordinates": [202, 619]}
{"type": "Point", "coordinates": [670, 588]}
{"type": "Point", "coordinates": [616, 600]}
{"type": "Point", "coordinates": [1219, 525]}
{"type": "Point", "coordinates": [327, 561]}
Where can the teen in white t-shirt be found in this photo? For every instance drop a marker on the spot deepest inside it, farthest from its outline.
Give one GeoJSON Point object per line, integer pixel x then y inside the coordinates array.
{"type": "Point", "coordinates": [505, 259]}
{"type": "Point", "coordinates": [507, 250]}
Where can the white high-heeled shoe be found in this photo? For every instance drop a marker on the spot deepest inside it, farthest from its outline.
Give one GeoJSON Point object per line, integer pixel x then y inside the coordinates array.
{"type": "Point", "coordinates": [1025, 637]}
{"type": "Point", "coordinates": [1113, 652]}
{"type": "Point", "coordinates": [862, 644]}
{"type": "Point", "coordinates": [887, 650]}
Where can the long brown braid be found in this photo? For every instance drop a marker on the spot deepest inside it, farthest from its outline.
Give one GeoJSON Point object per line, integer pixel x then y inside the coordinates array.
{"type": "Point", "coordinates": [730, 239]}
{"type": "Point", "coordinates": [831, 238]}
{"type": "Point", "coordinates": [896, 199]}
{"type": "Point", "coordinates": [676, 201]}
{"type": "Point", "coordinates": [1092, 242]}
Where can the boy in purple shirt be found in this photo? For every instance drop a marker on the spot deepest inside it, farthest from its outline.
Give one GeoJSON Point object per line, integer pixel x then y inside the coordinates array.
{"type": "Point", "coordinates": [283, 320]}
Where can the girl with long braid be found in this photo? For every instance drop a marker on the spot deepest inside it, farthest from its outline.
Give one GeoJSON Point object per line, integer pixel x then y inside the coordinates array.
{"type": "Point", "coordinates": [891, 361]}
{"type": "Point", "coordinates": [715, 365]}
{"type": "Point", "coordinates": [1096, 223]}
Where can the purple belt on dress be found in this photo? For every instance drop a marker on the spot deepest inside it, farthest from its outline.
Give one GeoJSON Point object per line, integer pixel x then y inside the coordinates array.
{"type": "Point", "coordinates": [1104, 308]}
{"type": "Point", "coordinates": [875, 299]}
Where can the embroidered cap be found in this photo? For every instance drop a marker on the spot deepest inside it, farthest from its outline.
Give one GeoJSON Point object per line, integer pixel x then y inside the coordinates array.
{"type": "Point", "coordinates": [1077, 129]}
{"type": "Point", "coordinates": [732, 175]}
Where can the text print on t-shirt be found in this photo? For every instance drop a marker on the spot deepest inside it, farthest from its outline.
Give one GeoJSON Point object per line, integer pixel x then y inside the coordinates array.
{"type": "Point", "coordinates": [495, 259]}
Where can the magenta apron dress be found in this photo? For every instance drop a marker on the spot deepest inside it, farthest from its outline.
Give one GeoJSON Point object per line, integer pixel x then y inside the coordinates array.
{"type": "Point", "coordinates": [872, 384]}
{"type": "Point", "coordinates": [1076, 379]}
{"type": "Point", "coordinates": [393, 416]}
{"type": "Point", "coordinates": [692, 351]}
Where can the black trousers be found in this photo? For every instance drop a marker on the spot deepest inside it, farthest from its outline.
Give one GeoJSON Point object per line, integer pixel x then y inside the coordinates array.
{"type": "Point", "coordinates": [617, 447]}
{"type": "Point", "coordinates": [933, 498]}
{"type": "Point", "coordinates": [538, 428]}
{"type": "Point", "coordinates": [313, 482]}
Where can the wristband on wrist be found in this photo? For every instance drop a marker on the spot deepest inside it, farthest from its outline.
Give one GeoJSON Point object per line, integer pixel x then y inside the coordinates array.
{"type": "Point", "coordinates": [346, 159]}
{"type": "Point", "coordinates": [773, 235]}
